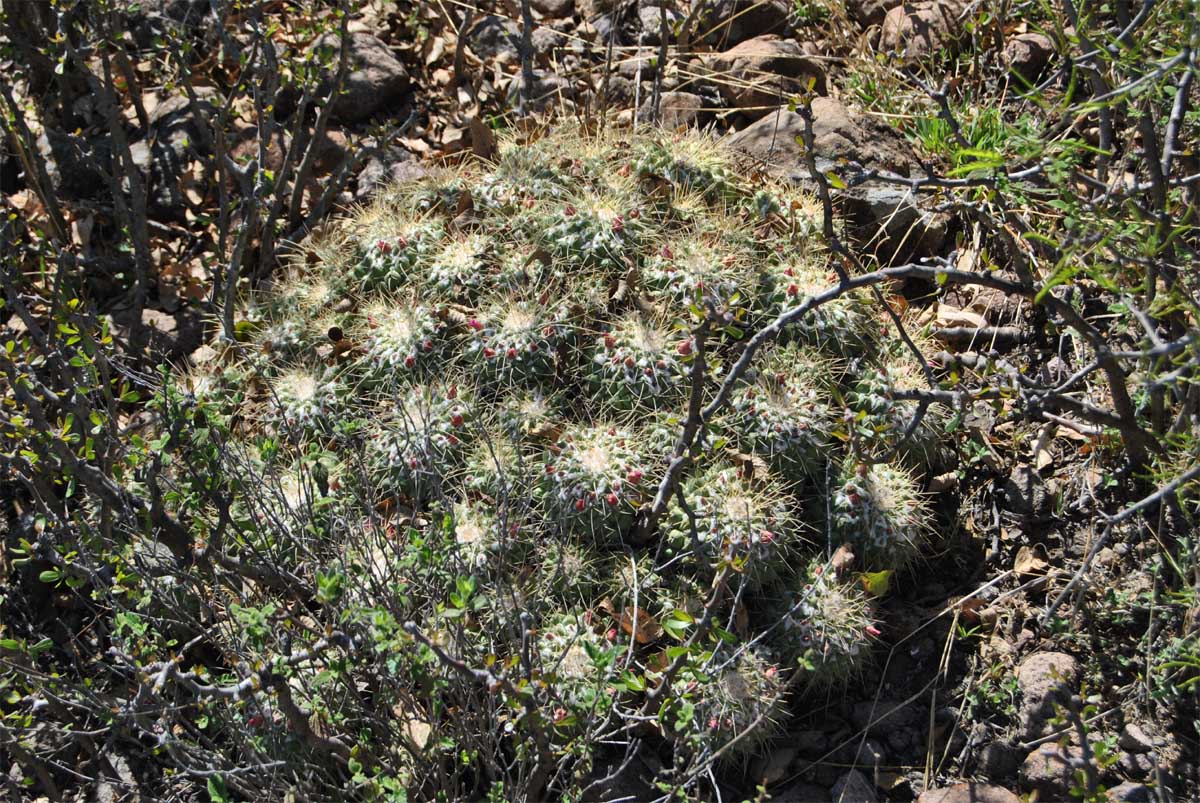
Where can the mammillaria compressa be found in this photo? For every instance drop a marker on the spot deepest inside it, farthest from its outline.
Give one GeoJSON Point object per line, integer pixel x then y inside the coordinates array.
{"type": "Point", "coordinates": [499, 359]}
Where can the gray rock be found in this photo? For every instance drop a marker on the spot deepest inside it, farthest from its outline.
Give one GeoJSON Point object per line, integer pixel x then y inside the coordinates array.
{"type": "Point", "coordinates": [644, 59]}
{"type": "Point", "coordinates": [879, 718]}
{"type": "Point", "coordinates": [888, 221]}
{"type": "Point", "coordinates": [810, 742]}
{"type": "Point", "coordinates": [546, 40]}
{"type": "Point", "coordinates": [1028, 54]}
{"type": "Point", "coordinates": [759, 73]}
{"type": "Point", "coordinates": [968, 793]}
{"type": "Point", "coordinates": [916, 31]}
{"type": "Point", "coordinates": [620, 91]}
{"type": "Point", "coordinates": [75, 164]}
{"type": "Point", "coordinates": [730, 22]}
{"type": "Point", "coordinates": [494, 36]}
{"type": "Point", "coordinates": [998, 760]}
{"type": "Point", "coordinates": [838, 135]}
{"type": "Point", "coordinates": [375, 79]}
{"type": "Point", "coordinates": [801, 792]}
{"type": "Point", "coordinates": [1026, 494]}
{"type": "Point", "coordinates": [676, 110]}
{"type": "Point", "coordinates": [393, 166]}
{"type": "Point", "coordinates": [549, 90]}
{"type": "Point", "coordinates": [1136, 766]}
{"type": "Point", "coordinates": [1049, 770]}
{"type": "Point", "coordinates": [853, 787]}
{"type": "Point", "coordinates": [1045, 678]}
{"type": "Point", "coordinates": [1130, 792]}
{"type": "Point", "coordinates": [554, 8]}
{"type": "Point", "coordinates": [1135, 740]}
{"type": "Point", "coordinates": [772, 767]}
{"type": "Point", "coordinates": [869, 12]}
{"type": "Point", "coordinates": [650, 19]}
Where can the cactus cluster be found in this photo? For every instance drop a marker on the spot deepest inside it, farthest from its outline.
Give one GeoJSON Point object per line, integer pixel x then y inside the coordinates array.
{"type": "Point", "coordinates": [504, 353]}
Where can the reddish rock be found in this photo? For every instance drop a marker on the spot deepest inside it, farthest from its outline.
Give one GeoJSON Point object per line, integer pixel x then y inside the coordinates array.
{"type": "Point", "coordinates": [918, 30]}
{"type": "Point", "coordinates": [969, 793]}
{"type": "Point", "coordinates": [760, 73]}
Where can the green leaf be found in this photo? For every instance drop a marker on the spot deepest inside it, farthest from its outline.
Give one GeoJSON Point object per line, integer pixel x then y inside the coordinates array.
{"type": "Point", "coordinates": [877, 583]}
{"type": "Point", "coordinates": [217, 791]}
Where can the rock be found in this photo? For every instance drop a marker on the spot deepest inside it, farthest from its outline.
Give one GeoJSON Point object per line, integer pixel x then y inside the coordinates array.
{"type": "Point", "coordinates": [1134, 739]}
{"type": "Point", "coordinates": [494, 36]}
{"type": "Point", "coordinates": [879, 718]}
{"type": "Point", "coordinates": [730, 22]}
{"type": "Point", "coordinates": [809, 743]}
{"type": "Point", "coordinates": [887, 221]}
{"type": "Point", "coordinates": [554, 8]}
{"type": "Point", "coordinates": [677, 110]}
{"type": "Point", "coordinates": [1130, 792]}
{"type": "Point", "coordinates": [1041, 689]}
{"type": "Point", "coordinates": [375, 79]}
{"type": "Point", "coordinates": [969, 793]}
{"type": "Point", "coordinates": [801, 792]}
{"type": "Point", "coordinates": [164, 155]}
{"type": "Point", "coordinates": [75, 164]}
{"type": "Point", "coordinates": [998, 760]}
{"type": "Point", "coordinates": [550, 90]}
{"type": "Point", "coordinates": [773, 767]}
{"type": "Point", "coordinates": [869, 12]}
{"type": "Point", "coordinates": [650, 19]}
{"type": "Point", "coordinates": [915, 31]}
{"type": "Point", "coordinates": [1048, 770]}
{"type": "Point", "coordinates": [644, 59]}
{"type": "Point", "coordinates": [1027, 495]}
{"type": "Point", "coordinates": [620, 91]}
{"type": "Point", "coordinates": [546, 41]}
{"type": "Point", "coordinates": [1028, 54]}
{"type": "Point", "coordinates": [853, 787]}
{"type": "Point", "coordinates": [1137, 766]}
{"type": "Point", "coordinates": [758, 74]}
{"type": "Point", "coordinates": [151, 19]}
{"type": "Point", "coordinates": [838, 134]}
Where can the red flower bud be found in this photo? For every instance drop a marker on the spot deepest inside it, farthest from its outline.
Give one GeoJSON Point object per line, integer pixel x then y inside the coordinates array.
{"type": "Point", "coordinates": [410, 361]}
{"type": "Point", "coordinates": [569, 211]}
{"type": "Point", "coordinates": [684, 347]}
{"type": "Point", "coordinates": [489, 352]}
{"type": "Point", "coordinates": [474, 324]}
{"type": "Point", "coordinates": [580, 504]}
{"type": "Point", "coordinates": [612, 500]}
{"type": "Point", "coordinates": [511, 353]}
{"type": "Point", "coordinates": [634, 476]}
{"type": "Point", "coordinates": [456, 420]}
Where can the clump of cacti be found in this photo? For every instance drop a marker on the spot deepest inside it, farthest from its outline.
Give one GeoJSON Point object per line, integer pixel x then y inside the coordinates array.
{"type": "Point", "coordinates": [826, 624]}
{"type": "Point", "coordinates": [737, 702]}
{"type": "Point", "coordinates": [878, 509]}
{"type": "Point", "coordinates": [503, 360]}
